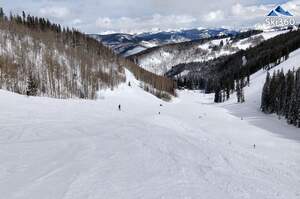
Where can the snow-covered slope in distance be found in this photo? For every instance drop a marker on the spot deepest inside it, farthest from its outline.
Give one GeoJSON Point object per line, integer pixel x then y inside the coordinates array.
{"type": "Point", "coordinates": [162, 59]}
{"type": "Point", "coordinates": [248, 42]}
{"type": "Point", "coordinates": [129, 44]}
{"type": "Point", "coordinates": [250, 110]}
{"type": "Point", "coordinates": [78, 149]}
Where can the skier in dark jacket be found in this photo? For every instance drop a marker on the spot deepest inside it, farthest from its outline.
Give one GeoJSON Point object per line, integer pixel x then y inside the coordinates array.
{"type": "Point", "coordinates": [119, 107]}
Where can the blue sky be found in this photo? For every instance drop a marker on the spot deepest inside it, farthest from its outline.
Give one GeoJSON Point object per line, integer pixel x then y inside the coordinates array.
{"type": "Point", "coordinates": [98, 16]}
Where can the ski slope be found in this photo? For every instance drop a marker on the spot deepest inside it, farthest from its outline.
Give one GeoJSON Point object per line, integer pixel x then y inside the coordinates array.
{"type": "Point", "coordinates": [250, 110]}
{"type": "Point", "coordinates": [77, 149]}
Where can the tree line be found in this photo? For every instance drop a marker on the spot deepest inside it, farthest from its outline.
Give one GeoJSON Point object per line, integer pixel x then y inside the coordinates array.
{"type": "Point", "coordinates": [281, 95]}
{"type": "Point", "coordinates": [223, 73]}
{"type": "Point", "coordinates": [158, 85]}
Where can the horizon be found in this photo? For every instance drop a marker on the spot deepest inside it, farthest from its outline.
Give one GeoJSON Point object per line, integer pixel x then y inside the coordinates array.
{"type": "Point", "coordinates": [132, 17]}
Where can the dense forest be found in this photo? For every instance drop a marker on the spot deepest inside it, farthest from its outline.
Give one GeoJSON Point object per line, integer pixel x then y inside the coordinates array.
{"type": "Point", "coordinates": [231, 73]}
{"type": "Point", "coordinates": [38, 57]}
{"type": "Point", "coordinates": [281, 95]}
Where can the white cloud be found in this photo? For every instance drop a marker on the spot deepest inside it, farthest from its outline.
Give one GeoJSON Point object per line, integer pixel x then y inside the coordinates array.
{"type": "Point", "coordinates": [150, 14]}
{"type": "Point", "coordinates": [250, 12]}
{"type": "Point", "coordinates": [217, 15]}
{"type": "Point", "coordinates": [104, 22]}
{"type": "Point", "coordinates": [55, 12]}
{"type": "Point", "coordinates": [76, 22]}
{"type": "Point", "coordinates": [254, 15]}
{"type": "Point", "coordinates": [156, 21]}
{"type": "Point", "coordinates": [238, 9]}
{"type": "Point", "coordinates": [293, 7]}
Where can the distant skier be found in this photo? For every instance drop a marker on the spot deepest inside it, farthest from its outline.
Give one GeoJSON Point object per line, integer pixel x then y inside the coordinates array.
{"type": "Point", "coordinates": [119, 107]}
{"type": "Point", "coordinates": [254, 146]}
{"type": "Point", "coordinates": [129, 84]}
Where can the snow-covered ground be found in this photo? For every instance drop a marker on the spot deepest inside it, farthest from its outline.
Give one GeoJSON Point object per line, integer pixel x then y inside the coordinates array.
{"type": "Point", "coordinates": [162, 59]}
{"type": "Point", "coordinates": [76, 149]}
{"type": "Point", "coordinates": [250, 110]}
{"type": "Point", "coordinates": [134, 51]}
{"type": "Point", "coordinates": [248, 42]}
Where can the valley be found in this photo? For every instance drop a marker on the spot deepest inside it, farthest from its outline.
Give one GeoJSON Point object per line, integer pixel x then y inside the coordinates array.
{"type": "Point", "coordinates": [158, 109]}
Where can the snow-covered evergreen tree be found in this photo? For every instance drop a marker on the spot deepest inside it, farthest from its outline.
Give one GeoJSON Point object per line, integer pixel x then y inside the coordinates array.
{"type": "Point", "coordinates": [281, 95]}
{"type": "Point", "coordinates": [265, 99]}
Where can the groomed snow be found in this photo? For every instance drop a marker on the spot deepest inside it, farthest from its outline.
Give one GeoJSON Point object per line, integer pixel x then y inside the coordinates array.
{"type": "Point", "coordinates": [77, 149]}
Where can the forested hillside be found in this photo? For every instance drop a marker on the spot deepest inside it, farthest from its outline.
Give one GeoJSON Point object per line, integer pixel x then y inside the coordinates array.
{"type": "Point", "coordinates": [38, 57]}
{"type": "Point", "coordinates": [160, 59]}
{"type": "Point", "coordinates": [231, 73]}
{"type": "Point", "coordinates": [129, 44]}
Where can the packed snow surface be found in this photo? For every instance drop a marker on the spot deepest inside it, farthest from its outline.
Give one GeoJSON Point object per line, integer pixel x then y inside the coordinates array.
{"type": "Point", "coordinates": [76, 149]}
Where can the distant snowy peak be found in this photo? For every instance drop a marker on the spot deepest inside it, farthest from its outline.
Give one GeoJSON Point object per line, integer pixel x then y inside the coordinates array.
{"type": "Point", "coordinates": [127, 44]}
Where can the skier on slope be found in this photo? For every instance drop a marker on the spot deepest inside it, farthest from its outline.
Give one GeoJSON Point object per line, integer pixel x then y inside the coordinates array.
{"type": "Point", "coordinates": [119, 107]}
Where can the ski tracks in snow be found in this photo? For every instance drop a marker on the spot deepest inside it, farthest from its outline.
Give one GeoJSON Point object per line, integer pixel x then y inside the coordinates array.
{"type": "Point", "coordinates": [90, 150]}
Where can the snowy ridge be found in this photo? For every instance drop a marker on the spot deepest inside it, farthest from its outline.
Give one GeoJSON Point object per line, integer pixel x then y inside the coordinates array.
{"type": "Point", "coordinates": [164, 58]}
{"type": "Point", "coordinates": [78, 149]}
{"type": "Point", "coordinates": [129, 44]}
{"type": "Point", "coordinates": [248, 42]}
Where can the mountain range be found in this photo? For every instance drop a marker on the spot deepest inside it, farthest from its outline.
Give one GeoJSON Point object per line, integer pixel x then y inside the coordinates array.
{"type": "Point", "coordinates": [129, 44]}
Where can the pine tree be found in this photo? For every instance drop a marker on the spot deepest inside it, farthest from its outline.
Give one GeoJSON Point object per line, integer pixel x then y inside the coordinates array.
{"type": "Point", "coordinates": [242, 95]}
{"type": "Point", "coordinates": [32, 86]}
{"type": "Point", "coordinates": [281, 92]}
{"type": "Point", "coordinates": [218, 95]}
{"type": "Point", "coordinates": [292, 114]}
{"type": "Point", "coordinates": [238, 91]}
{"type": "Point", "coordinates": [272, 93]}
{"type": "Point", "coordinates": [1, 13]}
{"type": "Point", "coordinates": [281, 95]}
{"type": "Point", "coordinates": [297, 101]}
{"type": "Point", "coordinates": [221, 43]}
{"type": "Point", "coordinates": [24, 17]}
{"type": "Point", "coordinates": [227, 91]}
{"type": "Point", "coordinates": [265, 99]}
{"type": "Point", "coordinates": [248, 79]}
{"type": "Point", "coordinates": [288, 91]}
